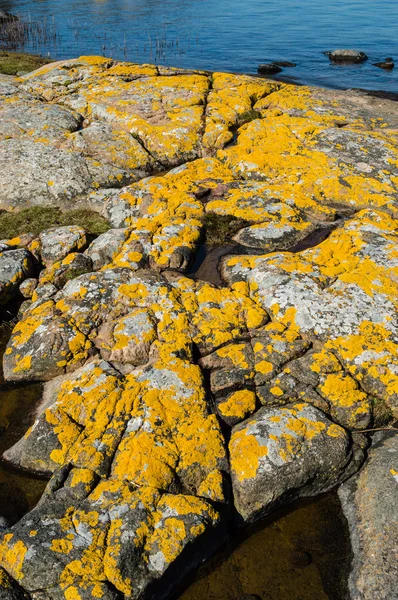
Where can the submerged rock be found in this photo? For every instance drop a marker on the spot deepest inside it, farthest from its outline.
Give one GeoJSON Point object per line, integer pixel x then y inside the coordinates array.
{"type": "Point", "coordinates": [369, 502]}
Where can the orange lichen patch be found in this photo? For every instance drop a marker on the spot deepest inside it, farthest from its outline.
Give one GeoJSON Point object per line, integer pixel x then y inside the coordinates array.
{"type": "Point", "coordinates": [238, 405]}
{"type": "Point", "coordinates": [342, 390]}
{"type": "Point", "coordinates": [325, 362]}
{"type": "Point", "coordinates": [369, 356]}
{"type": "Point", "coordinates": [172, 530]}
{"type": "Point", "coordinates": [246, 452]}
{"type": "Point", "coordinates": [219, 315]}
{"type": "Point", "coordinates": [212, 487]}
{"type": "Point", "coordinates": [288, 154]}
{"type": "Point", "coordinates": [229, 104]}
{"type": "Point", "coordinates": [235, 354]}
{"type": "Point", "coordinates": [170, 429]}
{"type": "Point", "coordinates": [12, 554]}
{"type": "Point", "coordinates": [25, 328]}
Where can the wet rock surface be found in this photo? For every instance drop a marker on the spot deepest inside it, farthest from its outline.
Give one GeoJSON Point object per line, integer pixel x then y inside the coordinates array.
{"type": "Point", "coordinates": [171, 402]}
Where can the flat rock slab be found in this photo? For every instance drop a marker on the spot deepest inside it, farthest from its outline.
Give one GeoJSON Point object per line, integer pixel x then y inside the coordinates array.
{"type": "Point", "coordinates": [369, 502]}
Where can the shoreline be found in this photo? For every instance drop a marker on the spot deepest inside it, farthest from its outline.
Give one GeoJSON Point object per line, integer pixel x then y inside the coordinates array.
{"type": "Point", "coordinates": [41, 61]}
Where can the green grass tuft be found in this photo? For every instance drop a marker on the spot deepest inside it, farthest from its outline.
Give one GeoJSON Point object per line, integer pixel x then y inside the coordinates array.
{"type": "Point", "coordinates": [13, 62]}
{"type": "Point", "coordinates": [37, 218]}
{"type": "Point", "coordinates": [382, 414]}
{"type": "Point", "coordinates": [220, 229]}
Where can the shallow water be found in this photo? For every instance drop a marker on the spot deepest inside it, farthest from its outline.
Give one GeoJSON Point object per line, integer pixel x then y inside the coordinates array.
{"type": "Point", "coordinates": [19, 491]}
{"type": "Point", "coordinates": [302, 555]}
{"type": "Point", "coordinates": [227, 35]}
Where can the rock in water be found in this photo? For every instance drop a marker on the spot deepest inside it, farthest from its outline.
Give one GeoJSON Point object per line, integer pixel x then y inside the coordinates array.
{"type": "Point", "coordinates": [281, 454]}
{"type": "Point", "coordinates": [369, 502]}
{"type": "Point", "coordinates": [269, 69]}
{"type": "Point", "coordinates": [387, 64]}
{"type": "Point", "coordinates": [347, 56]}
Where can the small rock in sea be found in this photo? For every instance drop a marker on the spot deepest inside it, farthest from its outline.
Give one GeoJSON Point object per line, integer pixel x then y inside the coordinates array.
{"type": "Point", "coordinates": [387, 64]}
{"type": "Point", "coordinates": [346, 56]}
{"type": "Point", "coordinates": [269, 69]}
{"type": "Point", "coordinates": [284, 63]}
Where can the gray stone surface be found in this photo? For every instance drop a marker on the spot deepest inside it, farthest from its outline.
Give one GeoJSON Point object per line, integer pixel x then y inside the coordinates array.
{"type": "Point", "coordinates": [369, 502]}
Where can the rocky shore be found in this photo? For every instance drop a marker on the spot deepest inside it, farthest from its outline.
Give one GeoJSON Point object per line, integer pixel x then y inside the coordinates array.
{"type": "Point", "coordinates": [171, 406]}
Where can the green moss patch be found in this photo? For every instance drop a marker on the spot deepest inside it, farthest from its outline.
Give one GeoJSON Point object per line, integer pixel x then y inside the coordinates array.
{"type": "Point", "coordinates": [220, 229]}
{"type": "Point", "coordinates": [37, 218]}
{"type": "Point", "coordinates": [13, 62]}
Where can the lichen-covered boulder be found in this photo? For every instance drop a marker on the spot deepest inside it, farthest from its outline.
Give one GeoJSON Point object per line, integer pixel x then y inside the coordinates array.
{"type": "Point", "coordinates": [42, 345]}
{"type": "Point", "coordinates": [15, 266]}
{"type": "Point", "coordinates": [28, 286]}
{"type": "Point", "coordinates": [106, 247]}
{"type": "Point", "coordinates": [61, 271]}
{"type": "Point", "coordinates": [107, 538]}
{"type": "Point", "coordinates": [369, 503]}
{"type": "Point", "coordinates": [281, 454]}
{"type": "Point", "coordinates": [343, 293]}
{"type": "Point", "coordinates": [56, 243]}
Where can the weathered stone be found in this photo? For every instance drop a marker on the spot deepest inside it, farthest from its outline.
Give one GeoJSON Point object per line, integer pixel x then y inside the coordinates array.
{"type": "Point", "coordinates": [60, 272]}
{"type": "Point", "coordinates": [112, 154]}
{"type": "Point", "coordinates": [27, 287]}
{"type": "Point", "coordinates": [35, 173]}
{"type": "Point", "coordinates": [350, 275]}
{"type": "Point", "coordinates": [106, 247]}
{"type": "Point", "coordinates": [43, 344]}
{"type": "Point", "coordinates": [57, 242]}
{"type": "Point", "coordinates": [281, 454]}
{"type": "Point", "coordinates": [15, 266]}
{"type": "Point", "coordinates": [369, 502]}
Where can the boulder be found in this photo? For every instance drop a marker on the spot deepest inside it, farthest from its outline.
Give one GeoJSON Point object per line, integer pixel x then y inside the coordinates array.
{"type": "Point", "coordinates": [61, 271]}
{"type": "Point", "coordinates": [281, 454]}
{"type": "Point", "coordinates": [106, 247]}
{"type": "Point", "coordinates": [369, 503]}
{"type": "Point", "coordinates": [347, 56]}
{"type": "Point", "coordinates": [109, 539]}
{"type": "Point", "coordinates": [56, 243]}
{"type": "Point", "coordinates": [36, 173]}
{"type": "Point", "coordinates": [27, 287]}
{"type": "Point", "coordinates": [15, 267]}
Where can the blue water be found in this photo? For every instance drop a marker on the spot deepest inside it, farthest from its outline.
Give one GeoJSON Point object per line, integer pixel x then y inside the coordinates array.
{"type": "Point", "coordinates": [230, 35]}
